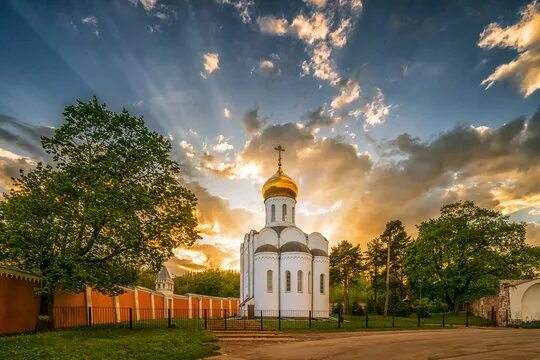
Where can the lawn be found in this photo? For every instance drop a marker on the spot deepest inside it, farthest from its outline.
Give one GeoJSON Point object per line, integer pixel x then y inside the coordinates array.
{"type": "Point", "coordinates": [378, 322]}
{"type": "Point", "coordinates": [112, 343]}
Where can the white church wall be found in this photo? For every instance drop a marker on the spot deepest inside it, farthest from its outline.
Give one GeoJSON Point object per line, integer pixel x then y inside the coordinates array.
{"type": "Point", "coordinates": [279, 219]}
{"type": "Point", "coordinates": [292, 234]}
{"type": "Point", "coordinates": [293, 299]}
{"type": "Point", "coordinates": [321, 265]}
{"type": "Point", "coordinates": [265, 299]}
{"type": "Point", "coordinates": [317, 241]}
{"type": "Point", "coordinates": [267, 236]}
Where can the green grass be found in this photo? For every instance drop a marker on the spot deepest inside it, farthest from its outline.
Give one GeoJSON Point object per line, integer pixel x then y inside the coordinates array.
{"type": "Point", "coordinates": [112, 343]}
{"type": "Point", "coordinates": [377, 322]}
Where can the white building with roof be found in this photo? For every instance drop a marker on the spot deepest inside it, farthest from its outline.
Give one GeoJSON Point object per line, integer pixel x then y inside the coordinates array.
{"type": "Point", "coordinates": [281, 267]}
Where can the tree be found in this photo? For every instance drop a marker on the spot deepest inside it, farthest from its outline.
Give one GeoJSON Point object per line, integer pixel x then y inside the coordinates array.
{"type": "Point", "coordinates": [110, 203]}
{"type": "Point", "coordinates": [462, 254]}
{"type": "Point", "coordinates": [345, 265]}
{"type": "Point", "coordinates": [213, 282]}
{"type": "Point", "coordinates": [385, 262]}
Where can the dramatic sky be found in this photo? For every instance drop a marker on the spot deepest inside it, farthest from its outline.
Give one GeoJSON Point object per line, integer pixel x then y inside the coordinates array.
{"type": "Point", "coordinates": [387, 109]}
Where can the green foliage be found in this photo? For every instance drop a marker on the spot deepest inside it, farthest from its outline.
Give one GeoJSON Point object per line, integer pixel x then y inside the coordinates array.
{"type": "Point", "coordinates": [462, 254]}
{"type": "Point", "coordinates": [357, 309]}
{"type": "Point", "coordinates": [110, 203]}
{"type": "Point", "coordinates": [110, 344]}
{"type": "Point", "coordinates": [401, 308]}
{"type": "Point", "coordinates": [377, 254]}
{"type": "Point", "coordinates": [345, 265]}
{"type": "Point", "coordinates": [214, 282]}
{"type": "Point", "coordinates": [147, 279]}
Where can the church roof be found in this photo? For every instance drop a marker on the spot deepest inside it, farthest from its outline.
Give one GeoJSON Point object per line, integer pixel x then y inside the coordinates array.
{"type": "Point", "coordinates": [294, 246]}
{"type": "Point", "coordinates": [318, 252]}
{"type": "Point", "coordinates": [164, 274]}
{"type": "Point", "coordinates": [266, 248]}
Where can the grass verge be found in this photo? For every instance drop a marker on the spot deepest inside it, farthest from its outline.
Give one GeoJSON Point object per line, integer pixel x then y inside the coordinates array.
{"type": "Point", "coordinates": [112, 343]}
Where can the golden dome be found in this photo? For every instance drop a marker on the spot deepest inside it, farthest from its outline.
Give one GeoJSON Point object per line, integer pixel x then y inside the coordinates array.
{"type": "Point", "coordinates": [279, 185]}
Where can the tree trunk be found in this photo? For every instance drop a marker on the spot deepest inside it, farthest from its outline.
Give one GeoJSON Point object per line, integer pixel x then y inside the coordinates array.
{"type": "Point", "coordinates": [346, 295]}
{"type": "Point", "coordinates": [387, 294]}
{"type": "Point", "coordinates": [46, 312]}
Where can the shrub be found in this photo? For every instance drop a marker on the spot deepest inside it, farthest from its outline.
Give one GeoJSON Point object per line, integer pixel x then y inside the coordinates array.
{"type": "Point", "coordinates": [337, 308]}
{"type": "Point", "coordinates": [357, 309]}
{"type": "Point", "coordinates": [402, 308]}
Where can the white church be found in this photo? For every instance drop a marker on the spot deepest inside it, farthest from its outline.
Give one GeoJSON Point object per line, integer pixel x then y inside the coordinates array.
{"type": "Point", "coordinates": [281, 267]}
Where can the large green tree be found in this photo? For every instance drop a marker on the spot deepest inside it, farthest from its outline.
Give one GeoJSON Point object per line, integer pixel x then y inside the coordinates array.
{"type": "Point", "coordinates": [110, 202]}
{"type": "Point", "coordinates": [462, 254]}
{"type": "Point", "coordinates": [213, 282]}
{"type": "Point", "coordinates": [346, 264]}
{"type": "Point", "coordinates": [385, 256]}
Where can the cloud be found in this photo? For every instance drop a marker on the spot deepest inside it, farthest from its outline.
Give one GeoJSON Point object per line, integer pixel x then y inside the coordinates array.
{"type": "Point", "coordinates": [349, 92]}
{"type": "Point", "coordinates": [210, 64]}
{"type": "Point", "coordinates": [310, 29]}
{"type": "Point", "coordinates": [376, 111]}
{"type": "Point", "coordinates": [252, 122]}
{"type": "Point", "coordinates": [227, 113]}
{"type": "Point", "coordinates": [272, 25]}
{"type": "Point", "coordinates": [524, 38]}
{"type": "Point", "coordinates": [222, 145]}
{"type": "Point", "coordinates": [321, 65]}
{"type": "Point", "coordinates": [316, 3]}
{"type": "Point", "coordinates": [318, 118]}
{"type": "Point", "coordinates": [268, 68]}
{"type": "Point", "coordinates": [242, 6]}
{"type": "Point", "coordinates": [91, 21]}
{"type": "Point", "coordinates": [339, 36]}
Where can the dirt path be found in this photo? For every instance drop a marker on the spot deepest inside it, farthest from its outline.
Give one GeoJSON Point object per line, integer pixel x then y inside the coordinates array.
{"type": "Point", "coordinates": [492, 344]}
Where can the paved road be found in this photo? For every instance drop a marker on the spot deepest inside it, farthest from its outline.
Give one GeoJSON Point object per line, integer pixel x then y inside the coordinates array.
{"type": "Point", "coordinates": [492, 344]}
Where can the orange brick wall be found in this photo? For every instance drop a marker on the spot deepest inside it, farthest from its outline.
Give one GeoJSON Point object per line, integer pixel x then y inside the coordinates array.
{"type": "Point", "coordinates": [19, 306]}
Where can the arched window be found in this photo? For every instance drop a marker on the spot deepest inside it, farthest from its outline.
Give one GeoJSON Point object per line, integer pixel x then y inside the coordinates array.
{"type": "Point", "coordinates": [293, 214]}
{"type": "Point", "coordinates": [269, 281]}
{"type": "Point", "coordinates": [273, 212]}
{"type": "Point", "coordinates": [283, 212]}
{"type": "Point", "coordinates": [309, 282]}
{"type": "Point", "coordinates": [287, 281]}
{"type": "Point", "coordinates": [300, 281]}
{"type": "Point", "coordinates": [322, 284]}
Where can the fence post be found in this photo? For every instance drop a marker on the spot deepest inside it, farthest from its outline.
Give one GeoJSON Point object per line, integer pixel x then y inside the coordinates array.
{"type": "Point", "coordinates": [225, 319]}
{"type": "Point", "coordinates": [467, 317]}
{"type": "Point", "coordinates": [418, 318]}
{"type": "Point", "coordinates": [130, 318]}
{"type": "Point", "coordinates": [443, 318]}
{"type": "Point", "coordinates": [205, 324]}
{"type": "Point", "coordinates": [89, 316]}
{"type": "Point", "coordinates": [168, 317]}
{"type": "Point", "coordinates": [279, 320]}
{"type": "Point", "coordinates": [366, 319]}
{"type": "Point", "coordinates": [339, 318]}
{"type": "Point", "coordinates": [261, 320]}
{"type": "Point", "coordinates": [506, 317]}
{"type": "Point", "coordinates": [310, 319]}
{"type": "Point", "coordinates": [393, 320]}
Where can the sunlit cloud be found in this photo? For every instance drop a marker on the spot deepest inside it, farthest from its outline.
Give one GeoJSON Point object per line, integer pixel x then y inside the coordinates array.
{"type": "Point", "coordinates": [524, 38]}
{"type": "Point", "coordinates": [210, 64]}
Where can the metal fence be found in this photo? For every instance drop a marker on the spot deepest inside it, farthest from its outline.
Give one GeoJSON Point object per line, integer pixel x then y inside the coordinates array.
{"type": "Point", "coordinates": [223, 319]}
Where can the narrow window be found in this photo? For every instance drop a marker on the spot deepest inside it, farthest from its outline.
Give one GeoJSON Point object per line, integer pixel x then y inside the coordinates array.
{"type": "Point", "coordinates": [309, 282]}
{"type": "Point", "coordinates": [322, 284]}
{"type": "Point", "coordinates": [283, 212]}
{"type": "Point", "coordinates": [293, 214]}
{"type": "Point", "coordinates": [287, 281]}
{"type": "Point", "coordinates": [273, 212]}
{"type": "Point", "coordinates": [300, 281]}
{"type": "Point", "coordinates": [269, 281]}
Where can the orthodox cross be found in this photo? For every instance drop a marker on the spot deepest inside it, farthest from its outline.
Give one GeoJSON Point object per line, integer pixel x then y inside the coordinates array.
{"type": "Point", "coordinates": [279, 149]}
